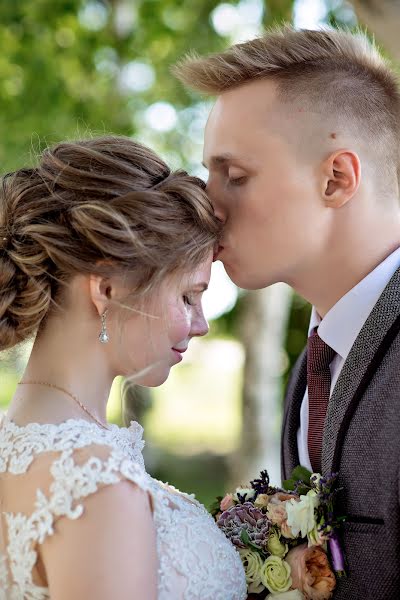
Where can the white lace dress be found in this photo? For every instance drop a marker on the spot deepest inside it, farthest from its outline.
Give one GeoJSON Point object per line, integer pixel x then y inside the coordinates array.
{"type": "Point", "coordinates": [196, 562]}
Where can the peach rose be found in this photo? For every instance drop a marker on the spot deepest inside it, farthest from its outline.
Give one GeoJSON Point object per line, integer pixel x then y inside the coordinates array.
{"type": "Point", "coordinates": [261, 501]}
{"type": "Point", "coordinates": [226, 502]}
{"type": "Point", "coordinates": [311, 572]}
{"type": "Point", "coordinates": [282, 497]}
{"type": "Point", "coordinates": [276, 512]}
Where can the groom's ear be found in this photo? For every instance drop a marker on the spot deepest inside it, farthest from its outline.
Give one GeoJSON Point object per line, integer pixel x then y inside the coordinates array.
{"type": "Point", "coordinates": [341, 174]}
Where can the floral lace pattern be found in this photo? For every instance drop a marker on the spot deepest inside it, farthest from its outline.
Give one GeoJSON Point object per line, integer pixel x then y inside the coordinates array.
{"type": "Point", "coordinates": [196, 561]}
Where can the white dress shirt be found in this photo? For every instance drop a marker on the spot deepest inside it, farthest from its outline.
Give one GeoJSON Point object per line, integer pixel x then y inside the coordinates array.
{"type": "Point", "coordinates": [340, 328]}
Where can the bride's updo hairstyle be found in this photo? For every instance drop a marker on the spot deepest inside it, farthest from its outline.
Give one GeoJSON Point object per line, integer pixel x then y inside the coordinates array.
{"type": "Point", "coordinates": [102, 206]}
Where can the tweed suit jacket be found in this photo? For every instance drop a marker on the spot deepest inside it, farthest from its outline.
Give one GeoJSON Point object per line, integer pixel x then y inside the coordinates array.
{"type": "Point", "coordinates": [361, 442]}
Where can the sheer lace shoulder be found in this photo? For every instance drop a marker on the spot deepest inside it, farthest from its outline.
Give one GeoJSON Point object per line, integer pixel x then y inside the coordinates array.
{"type": "Point", "coordinates": [57, 467]}
{"type": "Point", "coordinates": [22, 444]}
{"type": "Point", "coordinates": [47, 471]}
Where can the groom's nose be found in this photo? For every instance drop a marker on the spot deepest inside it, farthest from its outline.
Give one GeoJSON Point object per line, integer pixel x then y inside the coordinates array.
{"type": "Point", "coordinates": [215, 199]}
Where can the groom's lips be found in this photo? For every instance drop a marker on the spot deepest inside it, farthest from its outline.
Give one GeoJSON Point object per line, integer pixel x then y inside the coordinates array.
{"type": "Point", "coordinates": [217, 252]}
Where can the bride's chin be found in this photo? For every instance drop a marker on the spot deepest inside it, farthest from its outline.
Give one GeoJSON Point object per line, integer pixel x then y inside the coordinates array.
{"type": "Point", "coordinates": [154, 379]}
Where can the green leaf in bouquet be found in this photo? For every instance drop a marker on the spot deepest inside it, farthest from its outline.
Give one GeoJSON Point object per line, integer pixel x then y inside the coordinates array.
{"type": "Point", "coordinates": [244, 536]}
{"type": "Point", "coordinates": [215, 507]}
{"type": "Point", "coordinates": [289, 484]}
{"type": "Point", "coordinates": [302, 490]}
{"type": "Point", "coordinates": [300, 473]}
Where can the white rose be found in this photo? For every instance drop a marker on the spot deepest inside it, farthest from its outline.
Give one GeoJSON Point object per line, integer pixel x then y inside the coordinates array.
{"type": "Point", "coordinates": [290, 595]}
{"type": "Point", "coordinates": [249, 492]}
{"type": "Point", "coordinates": [316, 538]}
{"type": "Point", "coordinates": [315, 480]}
{"type": "Point", "coordinates": [275, 574]}
{"type": "Point", "coordinates": [275, 546]}
{"type": "Point", "coordinates": [301, 515]}
{"type": "Point", "coordinates": [252, 563]}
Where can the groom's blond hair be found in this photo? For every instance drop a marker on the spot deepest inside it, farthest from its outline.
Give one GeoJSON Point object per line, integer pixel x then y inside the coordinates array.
{"type": "Point", "coordinates": [332, 72]}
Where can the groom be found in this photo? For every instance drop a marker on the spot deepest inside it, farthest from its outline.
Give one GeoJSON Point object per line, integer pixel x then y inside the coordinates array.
{"type": "Point", "coordinates": [302, 148]}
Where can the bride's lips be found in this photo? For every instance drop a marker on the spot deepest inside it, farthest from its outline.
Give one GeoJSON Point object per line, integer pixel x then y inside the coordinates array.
{"type": "Point", "coordinates": [178, 353]}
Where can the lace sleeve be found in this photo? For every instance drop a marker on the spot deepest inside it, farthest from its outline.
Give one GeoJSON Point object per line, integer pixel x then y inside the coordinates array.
{"type": "Point", "coordinates": [58, 483]}
{"type": "Point", "coordinates": [77, 474]}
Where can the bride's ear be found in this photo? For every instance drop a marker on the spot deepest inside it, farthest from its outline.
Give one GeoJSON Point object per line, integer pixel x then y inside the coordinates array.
{"type": "Point", "coordinates": [101, 292]}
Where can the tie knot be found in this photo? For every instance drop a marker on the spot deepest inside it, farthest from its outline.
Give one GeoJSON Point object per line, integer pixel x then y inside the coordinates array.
{"type": "Point", "coordinates": [319, 354]}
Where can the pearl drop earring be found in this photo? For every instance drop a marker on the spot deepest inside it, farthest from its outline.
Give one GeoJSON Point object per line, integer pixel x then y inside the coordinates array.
{"type": "Point", "coordinates": [104, 338]}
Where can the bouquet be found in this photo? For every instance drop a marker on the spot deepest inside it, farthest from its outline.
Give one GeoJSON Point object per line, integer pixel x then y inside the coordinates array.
{"type": "Point", "coordinates": [284, 536]}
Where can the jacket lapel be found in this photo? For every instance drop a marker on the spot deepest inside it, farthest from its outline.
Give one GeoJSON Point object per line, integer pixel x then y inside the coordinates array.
{"type": "Point", "coordinates": [291, 420]}
{"type": "Point", "coordinates": [359, 367]}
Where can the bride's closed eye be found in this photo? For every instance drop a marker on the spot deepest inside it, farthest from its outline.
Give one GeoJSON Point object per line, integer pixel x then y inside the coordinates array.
{"type": "Point", "coordinates": [188, 300]}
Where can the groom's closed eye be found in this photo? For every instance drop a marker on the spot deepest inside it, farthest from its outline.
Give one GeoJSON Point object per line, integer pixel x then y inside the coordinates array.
{"type": "Point", "coordinates": [237, 181]}
{"type": "Point", "coordinates": [236, 176]}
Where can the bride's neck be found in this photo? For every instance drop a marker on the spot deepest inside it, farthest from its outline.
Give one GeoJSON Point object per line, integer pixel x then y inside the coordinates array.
{"type": "Point", "coordinates": [70, 358]}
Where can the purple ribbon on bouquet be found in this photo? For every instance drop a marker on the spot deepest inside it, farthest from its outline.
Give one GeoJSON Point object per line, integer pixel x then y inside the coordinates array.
{"type": "Point", "coordinates": [336, 555]}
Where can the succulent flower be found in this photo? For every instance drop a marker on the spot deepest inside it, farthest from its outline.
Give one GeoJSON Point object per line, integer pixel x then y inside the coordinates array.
{"type": "Point", "coordinates": [244, 522]}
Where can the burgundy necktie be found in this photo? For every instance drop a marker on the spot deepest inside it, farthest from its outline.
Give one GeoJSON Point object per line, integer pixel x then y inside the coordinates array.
{"type": "Point", "coordinates": [319, 357]}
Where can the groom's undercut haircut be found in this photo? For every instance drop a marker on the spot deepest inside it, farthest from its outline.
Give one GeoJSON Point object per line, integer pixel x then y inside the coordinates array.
{"type": "Point", "coordinates": [338, 74]}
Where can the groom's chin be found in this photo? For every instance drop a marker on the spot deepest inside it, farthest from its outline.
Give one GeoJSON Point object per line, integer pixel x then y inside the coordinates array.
{"type": "Point", "coordinates": [247, 281]}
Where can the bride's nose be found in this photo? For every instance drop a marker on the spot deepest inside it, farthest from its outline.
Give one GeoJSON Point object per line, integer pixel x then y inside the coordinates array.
{"type": "Point", "coordinates": [199, 325]}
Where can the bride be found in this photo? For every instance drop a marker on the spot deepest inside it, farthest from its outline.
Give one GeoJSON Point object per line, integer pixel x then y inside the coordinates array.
{"type": "Point", "coordinates": [104, 255]}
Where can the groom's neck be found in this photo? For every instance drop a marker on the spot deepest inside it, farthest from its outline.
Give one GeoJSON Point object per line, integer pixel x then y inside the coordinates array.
{"type": "Point", "coordinates": [347, 260]}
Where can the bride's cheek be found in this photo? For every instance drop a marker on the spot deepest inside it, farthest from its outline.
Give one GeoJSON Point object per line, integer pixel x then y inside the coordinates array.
{"type": "Point", "coordinates": [180, 326]}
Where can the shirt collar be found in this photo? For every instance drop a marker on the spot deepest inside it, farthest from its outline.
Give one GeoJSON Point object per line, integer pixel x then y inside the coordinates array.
{"type": "Point", "coordinates": [342, 324]}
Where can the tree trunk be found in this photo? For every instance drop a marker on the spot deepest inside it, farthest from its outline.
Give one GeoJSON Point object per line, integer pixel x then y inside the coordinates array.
{"type": "Point", "coordinates": [382, 17]}
{"type": "Point", "coordinates": [263, 333]}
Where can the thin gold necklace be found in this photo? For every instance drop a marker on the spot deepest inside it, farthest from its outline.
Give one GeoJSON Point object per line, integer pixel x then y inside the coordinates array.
{"type": "Point", "coordinates": [60, 389]}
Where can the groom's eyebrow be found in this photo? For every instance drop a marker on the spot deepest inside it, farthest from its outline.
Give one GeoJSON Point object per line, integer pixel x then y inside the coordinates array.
{"type": "Point", "coordinates": [219, 160]}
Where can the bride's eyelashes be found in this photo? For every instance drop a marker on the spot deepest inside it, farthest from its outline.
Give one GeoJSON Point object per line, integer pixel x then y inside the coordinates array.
{"type": "Point", "coordinates": [188, 300]}
{"type": "Point", "coordinates": [194, 298]}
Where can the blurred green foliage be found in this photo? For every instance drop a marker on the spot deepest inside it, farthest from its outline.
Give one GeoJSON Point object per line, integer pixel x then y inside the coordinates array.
{"type": "Point", "coordinates": [61, 64]}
